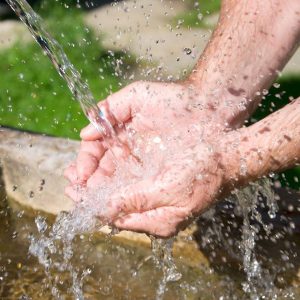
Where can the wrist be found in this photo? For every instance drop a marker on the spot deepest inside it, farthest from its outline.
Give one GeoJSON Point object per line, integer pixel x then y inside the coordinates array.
{"type": "Point", "coordinates": [232, 106]}
{"type": "Point", "coordinates": [242, 159]}
{"type": "Point", "coordinates": [270, 145]}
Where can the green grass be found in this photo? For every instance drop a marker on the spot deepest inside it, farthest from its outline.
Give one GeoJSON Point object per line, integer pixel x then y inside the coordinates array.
{"type": "Point", "coordinates": [33, 96]}
{"type": "Point", "coordinates": [198, 12]}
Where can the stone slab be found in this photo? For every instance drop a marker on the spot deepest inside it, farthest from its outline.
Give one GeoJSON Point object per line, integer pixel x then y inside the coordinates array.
{"type": "Point", "coordinates": [32, 169]}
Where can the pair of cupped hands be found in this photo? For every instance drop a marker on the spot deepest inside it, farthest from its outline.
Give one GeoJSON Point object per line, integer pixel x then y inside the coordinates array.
{"type": "Point", "coordinates": [186, 183]}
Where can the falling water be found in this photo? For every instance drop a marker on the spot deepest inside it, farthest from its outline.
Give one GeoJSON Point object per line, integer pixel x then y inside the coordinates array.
{"type": "Point", "coordinates": [54, 249]}
{"type": "Point", "coordinates": [163, 258]}
{"type": "Point", "coordinates": [65, 68]}
{"type": "Point", "coordinates": [257, 279]}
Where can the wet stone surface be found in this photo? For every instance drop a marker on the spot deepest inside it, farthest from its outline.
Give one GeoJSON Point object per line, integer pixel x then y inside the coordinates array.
{"type": "Point", "coordinates": [32, 169]}
{"type": "Point", "coordinates": [109, 269]}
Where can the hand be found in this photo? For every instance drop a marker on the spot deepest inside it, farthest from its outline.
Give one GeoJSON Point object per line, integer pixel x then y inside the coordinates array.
{"type": "Point", "coordinates": [173, 132]}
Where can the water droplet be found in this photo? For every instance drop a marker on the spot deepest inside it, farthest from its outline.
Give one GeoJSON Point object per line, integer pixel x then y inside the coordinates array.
{"type": "Point", "coordinates": [187, 51]}
{"type": "Point", "coordinates": [41, 224]}
{"type": "Point", "coordinates": [14, 234]}
{"type": "Point", "coordinates": [199, 177]}
{"type": "Point", "coordinates": [157, 140]}
{"type": "Point", "coordinates": [272, 214]}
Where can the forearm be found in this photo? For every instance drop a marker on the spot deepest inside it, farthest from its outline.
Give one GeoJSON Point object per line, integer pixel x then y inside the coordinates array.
{"type": "Point", "coordinates": [270, 145]}
{"type": "Point", "coordinates": [253, 41]}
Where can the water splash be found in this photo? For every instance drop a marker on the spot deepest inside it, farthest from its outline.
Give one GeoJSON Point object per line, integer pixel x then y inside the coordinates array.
{"type": "Point", "coordinates": [54, 246]}
{"type": "Point", "coordinates": [54, 249]}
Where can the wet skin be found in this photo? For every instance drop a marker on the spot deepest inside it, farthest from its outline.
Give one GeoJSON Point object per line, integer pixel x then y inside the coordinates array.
{"type": "Point", "coordinates": [202, 117]}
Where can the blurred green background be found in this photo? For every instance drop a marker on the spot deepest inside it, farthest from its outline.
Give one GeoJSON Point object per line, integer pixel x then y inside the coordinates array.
{"type": "Point", "coordinates": [33, 97]}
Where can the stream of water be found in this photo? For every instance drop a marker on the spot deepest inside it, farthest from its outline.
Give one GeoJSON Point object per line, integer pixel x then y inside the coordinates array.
{"type": "Point", "coordinates": [78, 87]}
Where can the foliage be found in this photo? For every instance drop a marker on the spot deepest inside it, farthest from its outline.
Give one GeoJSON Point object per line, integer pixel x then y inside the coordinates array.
{"type": "Point", "coordinates": [33, 96]}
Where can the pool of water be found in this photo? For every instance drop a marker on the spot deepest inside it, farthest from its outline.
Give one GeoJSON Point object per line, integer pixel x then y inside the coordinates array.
{"type": "Point", "coordinates": [114, 270]}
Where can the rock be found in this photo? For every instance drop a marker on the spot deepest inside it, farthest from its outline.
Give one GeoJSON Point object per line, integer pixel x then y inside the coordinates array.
{"type": "Point", "coordinates": [12, 32]}
{"type": "Point", "coordinates": [293, 66]}
{"type": "Point", "coordinates": [32, 169]}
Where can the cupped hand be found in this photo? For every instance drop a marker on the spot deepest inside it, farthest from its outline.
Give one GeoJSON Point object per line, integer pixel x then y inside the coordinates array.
{"type": "Point", "coordinates": [171, 136]}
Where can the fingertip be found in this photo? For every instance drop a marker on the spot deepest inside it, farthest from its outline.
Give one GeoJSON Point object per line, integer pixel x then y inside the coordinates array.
{"type": "Point", "coordinates": [90, 133]}
{"type": "Point", "coordinates": [68, 190]}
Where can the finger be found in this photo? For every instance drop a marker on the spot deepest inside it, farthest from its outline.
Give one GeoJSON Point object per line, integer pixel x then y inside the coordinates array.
{"type": "Point", "coordinates": [135, 198]}
{"type": "Point", "coordinates": [118, 108]}
{"type": "Point", "coordinates": [73, 193]}
{"type": "Point", "coordinates": [88, 158]}
{"type": "Point", "coordinates": [100, 177]}
{"type": "Point", "coordinates": [71, 174]}
{"type": "Point", "coordinates": [90, 133]}
{"type": "Point", "coordinates": [86, 164]}
{"type": "Point", "coordinates": [95, 148]}
{"type": "Point", "coordinates": [108, 163]}
{"type": "Point", "coordinates": [162, 222]}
